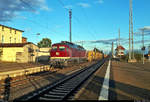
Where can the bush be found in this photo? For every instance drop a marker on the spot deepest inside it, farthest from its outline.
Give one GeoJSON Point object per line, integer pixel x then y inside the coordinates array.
{"type": "Point", "coordinates": [137, 55]}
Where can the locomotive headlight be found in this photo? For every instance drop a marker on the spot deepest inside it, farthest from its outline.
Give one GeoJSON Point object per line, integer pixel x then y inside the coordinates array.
{"type": "Point", "coordinates": [57, 53]}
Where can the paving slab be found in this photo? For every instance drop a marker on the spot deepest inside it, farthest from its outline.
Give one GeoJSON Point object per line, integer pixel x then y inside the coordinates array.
{"type": "Point", "coordinates": [128, 81]}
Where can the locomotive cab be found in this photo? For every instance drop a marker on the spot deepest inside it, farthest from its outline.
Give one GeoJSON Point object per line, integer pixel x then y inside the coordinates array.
{"type": "Point", "coordinates": [59, 55]}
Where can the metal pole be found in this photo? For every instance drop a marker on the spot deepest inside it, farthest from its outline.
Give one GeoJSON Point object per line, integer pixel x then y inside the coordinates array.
{"type": "Point", "coordinates": [129, 31]}
{"type": "Point", "coordinates": [148, 52]}
{"type": "Point", "coordinates": [132, 29]}
{"type": "Point", "coordinates": [112, 49]}
{"type": "Point", "coordinates": [119, 36]}
{"type": "Point", "coordinates": [143, 43]}
{"type": "Point", "coordinates": [70, 16]}
{"type": "Point", "coordinates": [119, 44]}
{"type": "Point", "coordinates": [38, 49]}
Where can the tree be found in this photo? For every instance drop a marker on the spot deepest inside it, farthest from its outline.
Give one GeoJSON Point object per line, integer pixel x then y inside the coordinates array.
{"type": "Point", "coordinates": [97, 50]}
{"type": "Point", "coordinates": [137, 56]}
{"type": "Point", "coordinates": [45, 42]}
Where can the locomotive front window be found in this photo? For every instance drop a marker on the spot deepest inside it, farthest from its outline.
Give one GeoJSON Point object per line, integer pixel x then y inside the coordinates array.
{"type": "Point", "coordinates": [61, 48]}
{"type": "Point", "coordinates": [54, 48]}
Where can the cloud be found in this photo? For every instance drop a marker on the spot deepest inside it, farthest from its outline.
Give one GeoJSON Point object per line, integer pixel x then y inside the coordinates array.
{"type": "Point", "coordinates": [84, 5]}
{"type": "Point", "coordinates": [68, 6]}
{"type": "Point", "coordinates": [28, 29]}
{"type": "Point", "coordinates": [105, 41]}
{"type": "Point", "coordinates": [145, 28]}
{"type": "Point", "coordinates": [146, 33]}
{"type": "Point", "coordinates": [58, 26]}
{"type": "Point", "coordinates": [99, 1]}
{"type": "Point", "coordinates": [46, 8]}
{"type": "Point", "coordinates": [9, 8]}
{"type": "Point", "coordinates": [140, 41]}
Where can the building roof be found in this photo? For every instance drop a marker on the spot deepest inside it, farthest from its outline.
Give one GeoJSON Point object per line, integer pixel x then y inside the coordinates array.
{"type": "Point", "coordinates": [11, 28]}
{"type": "Point", "coordinates": [14, 44]}
{"type": "Point", "coordinates": [120, 47]}
{"type": "Point", "coordinates": [24, 37]}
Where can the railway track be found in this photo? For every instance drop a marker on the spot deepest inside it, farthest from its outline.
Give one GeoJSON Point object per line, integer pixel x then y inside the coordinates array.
{"type": "Point", "coordinates": [62, 89]}
{"type": "Point", "coordinates": [22, 85]}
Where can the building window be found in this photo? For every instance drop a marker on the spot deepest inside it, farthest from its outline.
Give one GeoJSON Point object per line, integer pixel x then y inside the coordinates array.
{"type": "Point", "coordinates": [2, 28]}
{"type": "Point", "coordinates": [10, 30]}
{"type": "Point", "coordinates": [2, 38]}
{"type": "Point", "coordinates": [19, 39]}
{"type": "Point", "coordinates": [10, 39]}
{"type": "Point", "coordinates": [14, 40]}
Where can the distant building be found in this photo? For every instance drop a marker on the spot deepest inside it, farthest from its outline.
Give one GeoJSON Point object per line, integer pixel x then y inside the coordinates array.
{"type": "Point", "coordinates": [120, 51]}
{"type": "Point", "coordinates": [24, 40]}
{"type": "Point", "coordinates": [19, 52]}
{"type": "Point", "coordinates": [44, 54]}
{"type": "Point", "coordinates": [10, 35]}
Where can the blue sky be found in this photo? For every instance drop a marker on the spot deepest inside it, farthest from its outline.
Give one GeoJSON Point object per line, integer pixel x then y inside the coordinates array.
{"type": "Point", "coordinates": [92, 20]}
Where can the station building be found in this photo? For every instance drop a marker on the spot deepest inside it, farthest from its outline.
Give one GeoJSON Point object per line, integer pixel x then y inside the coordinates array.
{"type": "Point", "coordinates": [120, 51]}
{"type": "Point", "coordinates": [14, 47]}
{"type": "Point", "coordinates": [10, 35]}
{"type": "Point", "coordinates": [24, 40]}
{"type": "Point", "coordinates": [44, 54]}
{"type": "Point", "coordinates": [19, 52]}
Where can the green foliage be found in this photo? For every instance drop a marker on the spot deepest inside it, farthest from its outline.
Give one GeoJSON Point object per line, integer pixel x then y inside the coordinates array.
{"type": "Point", "coordinates": [125, 57]}
{"type": "Point", "coordinates": [97, 50]}
{"type": "Point", "coordinates": [137, 55]}
{"type": "Point", "coordinates": [45, 42]}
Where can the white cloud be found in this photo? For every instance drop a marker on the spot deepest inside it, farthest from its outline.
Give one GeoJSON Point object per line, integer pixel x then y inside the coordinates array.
{"type": "Point", "coordinates": [99, 1]}
{"type": "Point", "coordinates": [58, 26]}
{"type": "Point", "coordinates": [46, 8]}
{"type": "Point", "coordinates": [145, 28]}
{"type": "Point", "coordinates": [28, 29]}
{"type": "Point", "coordinates": [10, 8]}
{"type": "Point", "coordinates": [84, 5]}
{"type": "Point", "coordinates": [68, 6]}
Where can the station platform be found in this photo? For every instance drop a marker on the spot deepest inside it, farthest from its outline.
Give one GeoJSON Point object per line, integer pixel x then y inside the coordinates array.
{"type": "Point", "coordinates": [117, 80]}
{"type": "Point", "coordinates": [18, 69]}
{"type": "Point", "coordinates": [7, 66]}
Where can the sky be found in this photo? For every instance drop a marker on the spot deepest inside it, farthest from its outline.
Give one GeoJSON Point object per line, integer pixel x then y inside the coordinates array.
{"type": "Point", "coordinates": [95, 22]}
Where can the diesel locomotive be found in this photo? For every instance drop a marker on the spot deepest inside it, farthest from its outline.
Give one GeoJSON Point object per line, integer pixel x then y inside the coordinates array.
{"type": "Point", "coordinates": [66, 52]}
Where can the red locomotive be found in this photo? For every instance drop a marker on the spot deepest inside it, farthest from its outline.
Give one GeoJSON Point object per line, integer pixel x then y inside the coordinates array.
{"type": "Point", "coordinates": [66, 52]}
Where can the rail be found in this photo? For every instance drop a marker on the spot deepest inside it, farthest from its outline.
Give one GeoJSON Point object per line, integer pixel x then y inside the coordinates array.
{"type": "Point", "coordinates": [63, 89]}
{"type": "Point", "coordinates": [19, 78]}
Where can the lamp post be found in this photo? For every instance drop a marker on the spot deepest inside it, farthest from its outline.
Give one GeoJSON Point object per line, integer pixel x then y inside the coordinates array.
{"type": "Point", "coordinates": [149, 52]}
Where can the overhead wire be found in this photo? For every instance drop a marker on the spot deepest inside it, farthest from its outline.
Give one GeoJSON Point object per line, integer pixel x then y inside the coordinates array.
{"type": "Point", "coordinates": [86, 17]}
{"type": "Point", "coordinates": [45, 27]}
{"type": "Point", "coordinates": [76, 18]}
{"type": "Point", "coordinates": [90, 29]}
